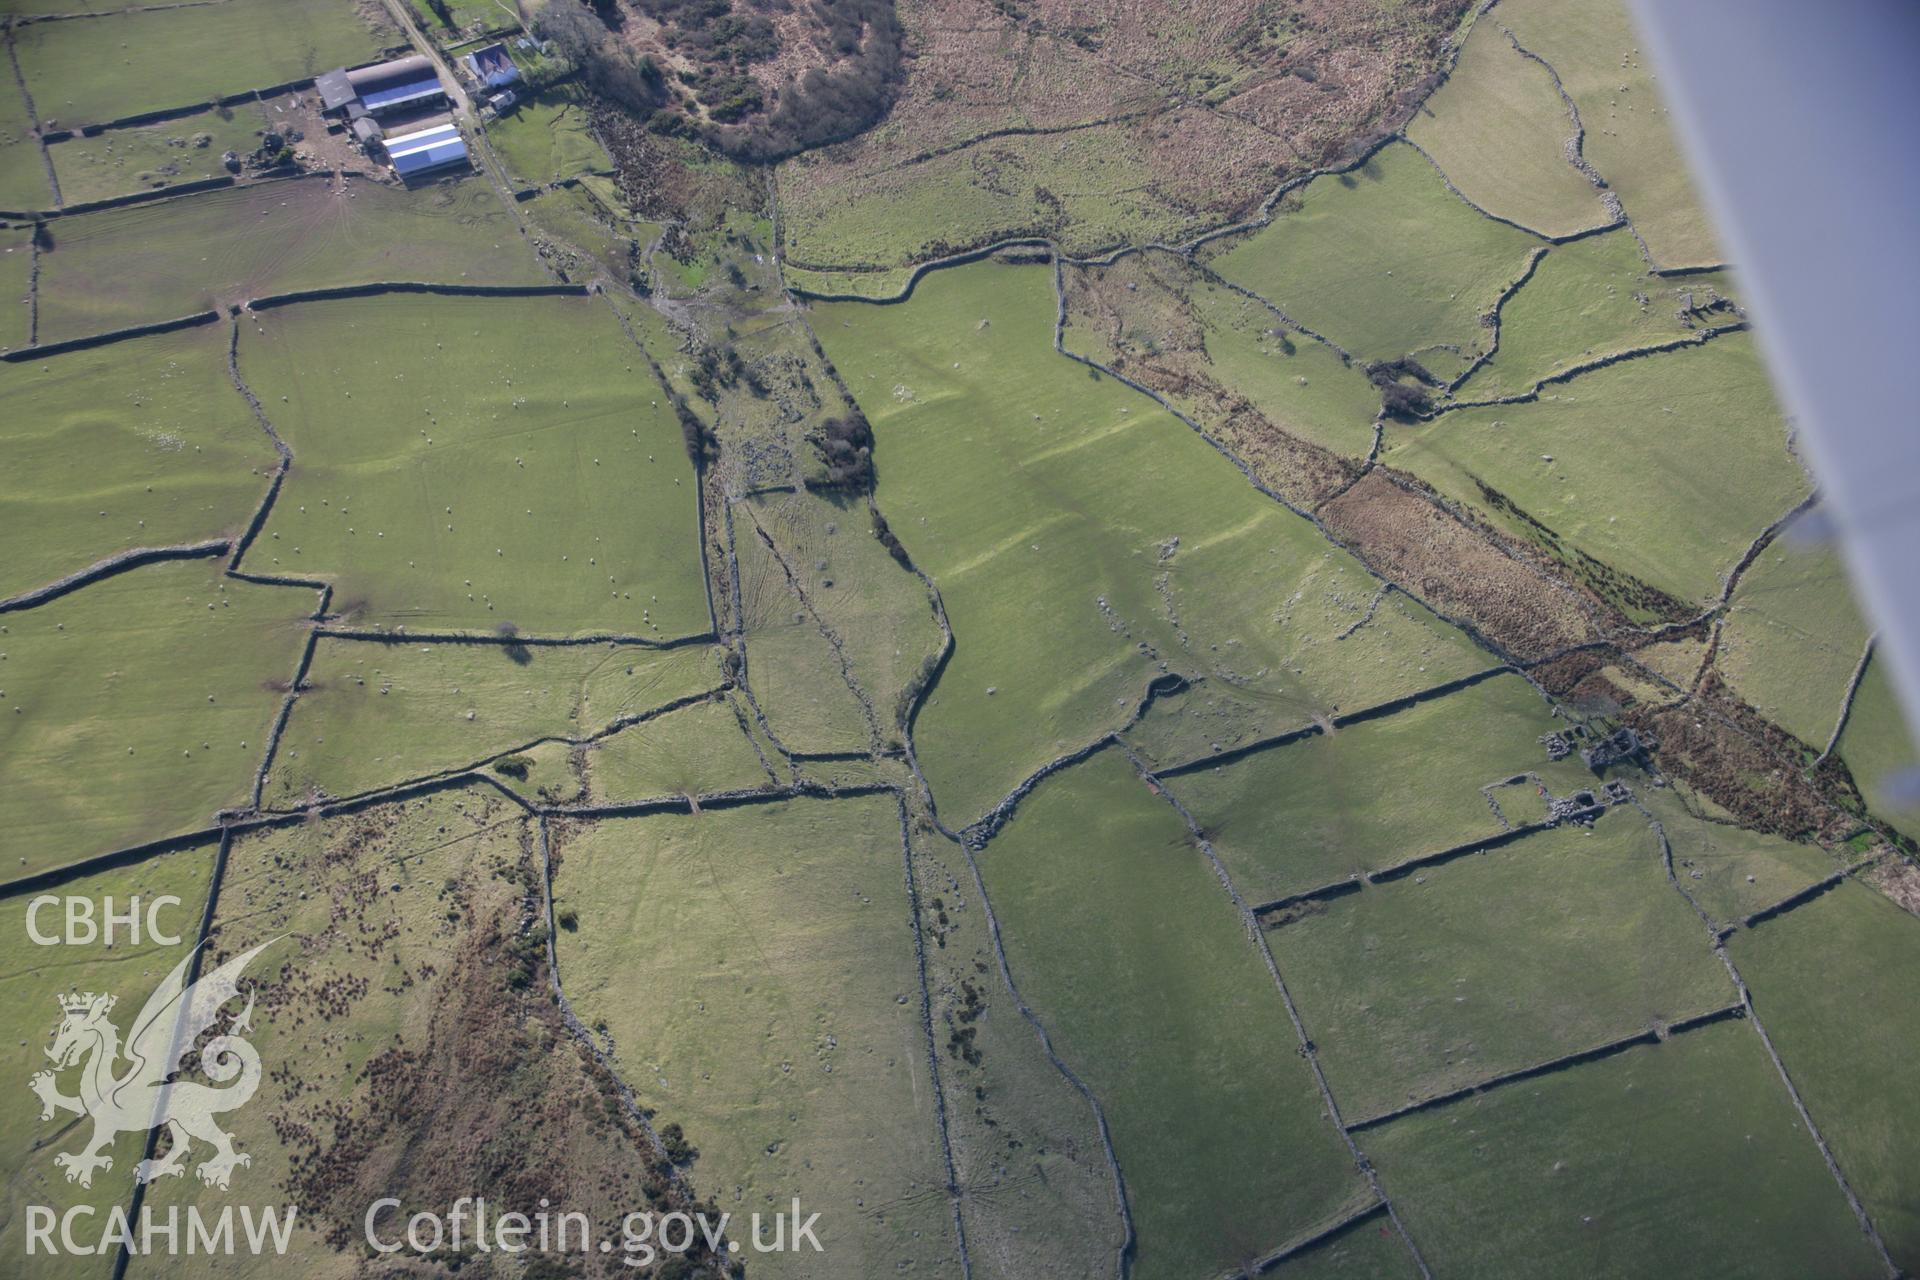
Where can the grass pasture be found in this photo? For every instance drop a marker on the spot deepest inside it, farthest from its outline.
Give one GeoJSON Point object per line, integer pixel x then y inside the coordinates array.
{"type": "Point", "coordinates": [1583, 302]}
{"type": "Point", "coordinates": [1369, 1250]}
{"type": "Point", "coordinates": [373, 713]}
{"type": "Point", "coordinates": [16, 279]}
{"type": "Point", "coordinates": [1683, 1158]}
{"type": "Point", "coordinates": [111, 738]}
{"type": "Point", "coordinates": [1123, 942]}
{"type": "Point", "coordinates": [901, 214]}
{"type": "Point", "coordinates": [599, 231]}
{"type": "Point", "coordinates": [692, 751]}
{"type": "Point", "coordinates": [862, 284]}
{"type": "Point", "coordinates": [782, 1029]}
{"type": "Point", "coordinates": [1499, 129]}
{"type": "Point", "coordinates": [120, 267]}
{"type": "Point", "coordinates": [1384, 261]}
{"type": "Point", "coordinates": [173, 454]}
{"type": "Point", "coordinates": [1296, 817]}
{"type": "Point", "coordinates": [1879, 748]}
{"type": "Point", "coordinates": [445, 478]}
{"type": "Point", "coordinates": [552, 773]}
{"type": "Point", "coordinates": [23, 173]}
{"type": "Point", "coordinates": [791, 666]}
{"type": "Point", "coordinates": [1630, 132]}
{"type": "Point", "coordinates": [1831, 980]}
{"type": "Point", "coordinates": [1564, 940]}
{"type": "Point", "coordinates": [545, 137]}
{"type": "Point", "coordinates": [1299, 384]}
{"type": "Point", "coordinates": [1615, 460]}
{"type": "Point", "coordinates": [115, 65]}
{"type": "Point", "coordinates": [467, 15]}
{"type": "Point", "coordinates": [1143, 549]}
{"type": "Point", "coordinates": [1793, 637]}
{"type": "Point", "coordinates": [878, 609]}
{"type": "Point", "coordinates": [32, 978]}
{"type": "Point", "coordinates": [1144, 310]}
{"type": "Point", "coordinates": [151, 157]}
{"type": "Point", "coordinates": [1732, 872]}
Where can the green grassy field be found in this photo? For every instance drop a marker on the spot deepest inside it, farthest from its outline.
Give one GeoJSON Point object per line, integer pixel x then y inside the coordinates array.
{"type": "Point", "coordinates": [1125, 945]}
{"type": "Point", "coordinates": [1792, 638]}
{"type": "Point", "coordinates": [23, 174]}
{"type": "Point", "coordinates": [173, 453]}
{"type": "Point", "coordinates": [1496, 962]}
{"type": "Point", "coordinates": [1369, 1251]}
{"type": "Point", "coordinates": [128, 266]}
{"type": "Point", "coordinates": [1300, 384]}
{"type": "Point", "coordinates": [1499, 129]}
{"type": "Point", "coordinates": [112, 738]}
{"type": "Point", "coordinates": [545, 137]}
{"type": "Point", "coordinates": [1385, 261]}
{"type": "Point", "coordinates": [1877, 746]}
{"type": "Point", "coordinates": [1684, 1158]}
{"type": "Point", "coordinates": [1296, 817]}
{"type": "Point", "coordinates": [376, 714]}
{"type": "Point", "coordinates": [1630, 133]}
{"type": "Point", "coordinates": [1584, 301]}
{"type": "Point", "coordinates": [791, 666]}
{"type": "Point", "coordinates": [1732, 872]}
{"type": "Point", "coordinates": [16, 276]}
{"type": "Point", "coordinates": [879, 611]}
{"type": "Point", "coordinates": [692, 751]}
{"type": "Point", "coordinates": [783, 1031]}
{"type": "Point", "coordinates": [1830, 980]}
{"type": "Point", "coordinates": [1145, 309]}
{"type": "Point", "coordinates": [32, 979]}
{"type": "Point", "coordinates": [121, 64]}
{"type": "Point", "coordinates": [865, 284]}
{"type": "Point", "coordinates": [466, 14]}
{"type": "Point", "coordinates": [552, 773]}
{"type": "Point", "coordinates": [1614, 462]}
{"type": "Point", "coordinates": [462, 463]}
{"type": "Point", "coordinates": [123, 161]}
{"type": "Point", "coordinates": [1091, 486]}
{"type": "Point", "coordinates": [595, 230]}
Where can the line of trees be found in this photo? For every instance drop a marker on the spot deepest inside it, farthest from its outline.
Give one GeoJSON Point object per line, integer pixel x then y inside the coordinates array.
{"type": "Point", "coordinates": [845, 445]}
{"type": "Point", "coordinates": [609, 67]}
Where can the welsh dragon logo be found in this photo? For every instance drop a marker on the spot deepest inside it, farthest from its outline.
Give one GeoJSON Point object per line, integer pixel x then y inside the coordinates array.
{"type": "Point", "coordinates": [143, 1094]}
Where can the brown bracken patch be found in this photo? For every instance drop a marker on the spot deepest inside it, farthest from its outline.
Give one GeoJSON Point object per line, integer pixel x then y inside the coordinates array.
{"type": "Point", "coordinates": [1755, 770]}
{"type": "Point", "coordinates": [1899, 880]}
{"type": "Point", "coordinates": [1458, 569]}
